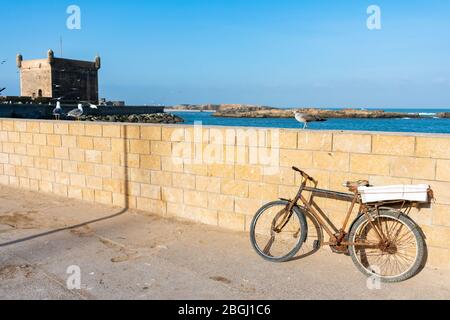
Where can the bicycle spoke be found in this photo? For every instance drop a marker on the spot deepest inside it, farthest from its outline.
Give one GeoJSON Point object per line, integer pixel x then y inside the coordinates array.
{"type": "Point", "coordinates": [393, 257]}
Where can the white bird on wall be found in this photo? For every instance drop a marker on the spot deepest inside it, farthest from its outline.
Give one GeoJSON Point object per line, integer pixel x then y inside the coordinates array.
{"type": "Point", "coordinates": [302, 118]}
{"type": "Point", "coordinates": [92, 106]}
{"type": "Point", "coordinates": [76, 113]}
{"type": "Point", "coordinates": [57, 112]}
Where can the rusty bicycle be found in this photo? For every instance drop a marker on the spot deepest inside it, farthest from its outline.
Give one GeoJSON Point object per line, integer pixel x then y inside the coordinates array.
{"type": "Point", "coordinates": [383, 241]}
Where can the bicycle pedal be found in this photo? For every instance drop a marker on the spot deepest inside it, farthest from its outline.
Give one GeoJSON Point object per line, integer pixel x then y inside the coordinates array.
{"type": "Point", "coordinates": [316, 245]}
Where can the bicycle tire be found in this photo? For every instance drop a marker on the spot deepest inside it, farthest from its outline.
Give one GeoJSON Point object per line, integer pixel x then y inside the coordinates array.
{"type": "Point", "coordinates": [301, 238]}
{"type": "Point", "coordinates": [413, 228]}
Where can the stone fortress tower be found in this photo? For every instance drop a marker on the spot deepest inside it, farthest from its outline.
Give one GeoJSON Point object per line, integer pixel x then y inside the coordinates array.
{"type": "Point", "coordinates": [59, 78]}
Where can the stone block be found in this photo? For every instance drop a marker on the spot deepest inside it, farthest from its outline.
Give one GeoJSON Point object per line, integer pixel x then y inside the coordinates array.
{"type": "Point", "coordinates": [263, 191]}
{"type": "Point", "coordinates": [317, 141]}
{"type": "Point", "coordinates": [443, 170]}
{"type": "Point", "coordinates": [354, 143]}
{"type": "Point", "coordinates": [93, 130]}
{"type": "Point", "coordinates": [221, 170]}
{"type": "Point", "coordinates": [102, 144]}
{"type": "Point", "coordinates": [298, 158]}
{"type": "Point", "coordinates": [433, 147]}
{"type": "Point", "coordinates": [161, 178]}
{"type": "Point", "coordinates": [333, 161]}
{"type": "Point", "coordinates": [111, 131]}
{"type": "Point", "coordinates": [174, 195]}
{"type": "Point", "coordinates": [151, 191]}
{"type": "Point", "coordinates": [103, 197]}
{"type": "Point", "coordinates": [173, 134]}
{"type": "Point", "coordinates": [288, 139]}
{"type": "Point", "coordinates": [196, 198]}
{"type": "Point", "coordinates": [61, 128]}
{"type": "Point", "coordinates": [161, 148]}
{"type": "Point", "coordinates": [140, 146]}
{"type": "Point", "coordinates": [152, 133]}
{"type": "Point", "coordinates": [247, 207]}
{"type": "Point", "coordinates": [441, 215]}
{"type": "Point", "coordinates": [408, 167]}
{"type": "Point", "coordinates": [248, 173]}
{"type": "Point", "coordinates": [370, 164]}
{"type": "Point", "coordinates": [393, 145]}
{"type": "Point", "coordinates": [150, 162]}
{"type": "Point", "coordinates": [185, 181]}
{"type": "Point", "coordinates": [236, 188]}
{"type": "Point", "coordinates": [209, 184]}
{"type": "Point", "coordinates": [39, 139]}
{"type": "Point", "coordinates": [220, 202]}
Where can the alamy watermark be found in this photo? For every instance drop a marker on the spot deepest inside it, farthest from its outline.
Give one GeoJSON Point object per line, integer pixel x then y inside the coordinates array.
{"type": "Point", "coordinates": [73, 22]}
{"type": "Point", "coordinates": [241, 146]}
{"type": "Point", "coordinates": [74, 279]}
{"type": "Point", "coordinates": [374, 282]}
{"type": "Point", "coordinates": [374, 19]}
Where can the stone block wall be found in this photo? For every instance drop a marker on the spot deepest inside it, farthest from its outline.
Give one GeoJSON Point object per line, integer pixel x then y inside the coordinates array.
{"type": "Point", "coordinates": [221, 175]}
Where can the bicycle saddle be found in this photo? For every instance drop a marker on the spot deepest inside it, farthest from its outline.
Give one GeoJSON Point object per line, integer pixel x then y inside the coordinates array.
{"type": "Point", "coordinates": [354, 185]}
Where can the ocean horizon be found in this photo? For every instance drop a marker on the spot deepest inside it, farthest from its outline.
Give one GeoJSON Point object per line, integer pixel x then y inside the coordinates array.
{"type": "Point", "coordinates": [429, 124]}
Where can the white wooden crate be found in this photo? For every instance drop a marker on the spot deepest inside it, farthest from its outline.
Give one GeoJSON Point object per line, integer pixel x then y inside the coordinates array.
{"type": "Point", "coordinates": [415, 193]}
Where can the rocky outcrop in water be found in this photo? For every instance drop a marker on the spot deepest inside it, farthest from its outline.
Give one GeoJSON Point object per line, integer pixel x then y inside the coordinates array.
{"type": "Point", "coordinates": [252, 111]}
{"type": "Point", "coordinates": [444, 115]}
{"type": "Point", "coordinates": [319, 114]}
{"type": "Point", "coordinates": [136, 118]}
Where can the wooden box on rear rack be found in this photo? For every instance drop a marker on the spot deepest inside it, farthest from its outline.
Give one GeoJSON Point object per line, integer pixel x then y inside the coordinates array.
{"type": "Point", "coordinates": [413, 193]}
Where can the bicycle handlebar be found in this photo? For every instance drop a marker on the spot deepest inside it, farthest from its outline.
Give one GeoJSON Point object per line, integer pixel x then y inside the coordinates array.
{"type": "Point", "coordinates": [304, 174]}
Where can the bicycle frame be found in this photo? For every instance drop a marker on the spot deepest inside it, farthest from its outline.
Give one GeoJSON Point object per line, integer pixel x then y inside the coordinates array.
{"type": "Point", "coordinates": [336, 239]}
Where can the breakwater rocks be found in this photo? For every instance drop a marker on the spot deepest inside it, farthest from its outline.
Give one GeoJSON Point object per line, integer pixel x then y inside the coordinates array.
{"type": "Point", "coordinates": [252, 111]}
{"type": "Point", "coordinates": [267, 112]}
{"type": "Point", "coordinates": [136, 118]}
{"type": "Point", "coordinates": [443, 115]}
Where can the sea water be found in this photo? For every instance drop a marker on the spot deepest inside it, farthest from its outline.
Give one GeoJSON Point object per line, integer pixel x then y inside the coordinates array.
{"type": "Point", "coordinates": [429, 124]}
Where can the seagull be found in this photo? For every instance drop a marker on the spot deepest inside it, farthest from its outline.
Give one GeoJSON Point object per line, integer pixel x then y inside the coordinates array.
{"type": "Point", "coordinates": [2, 89]}
{"type": "Point", "coordinates": [302, 118]}
{"type": "Point", "coordinates": [76, 113]}
{"type": "Point", "coordinates": [3, 62]}
{"type": "Point", "coordinates": [306, 118]}
{"type": "Point", "coordinates": [57, 112]}
{"type": "Point", "coordinates": [92, 106]}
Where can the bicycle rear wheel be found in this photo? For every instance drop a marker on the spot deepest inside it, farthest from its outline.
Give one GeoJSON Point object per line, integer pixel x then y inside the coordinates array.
{"type": "Point", "coordinates": [397, 258]}
{"type": "Point", "coordinates": [277, 235]}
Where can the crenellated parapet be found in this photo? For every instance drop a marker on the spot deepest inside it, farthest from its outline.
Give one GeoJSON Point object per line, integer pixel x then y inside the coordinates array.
{"type": "Point", "coordinates": [19, 60]}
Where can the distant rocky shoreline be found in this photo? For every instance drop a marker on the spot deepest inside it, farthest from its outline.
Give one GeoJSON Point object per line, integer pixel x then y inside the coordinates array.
{"type": "Point", "coordinates": [136, 118]}
{"type": "Point", "coordinates": [249, 111]}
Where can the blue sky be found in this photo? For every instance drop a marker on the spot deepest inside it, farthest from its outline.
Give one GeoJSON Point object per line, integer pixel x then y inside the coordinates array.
{"type": "Point", "coordinates": [281, 53]}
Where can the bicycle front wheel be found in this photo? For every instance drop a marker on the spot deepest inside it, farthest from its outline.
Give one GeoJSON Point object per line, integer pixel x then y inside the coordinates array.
{"type": "Point", "coordinates": [398, 257]}
{"type": "Point", "coordinates": [276, 234]}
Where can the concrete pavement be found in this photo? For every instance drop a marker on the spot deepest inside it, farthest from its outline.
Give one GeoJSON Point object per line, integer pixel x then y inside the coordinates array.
{"type": "Point", "coordinates": [135, 256]}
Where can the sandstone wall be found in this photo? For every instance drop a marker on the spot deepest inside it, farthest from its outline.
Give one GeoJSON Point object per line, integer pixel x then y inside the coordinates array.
{"type": "Point", "coordinates": [221, 175]}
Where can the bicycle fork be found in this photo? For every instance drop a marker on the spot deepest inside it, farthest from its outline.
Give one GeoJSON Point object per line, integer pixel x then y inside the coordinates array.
{"type": "Point", "coordinates": [288, 211]}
